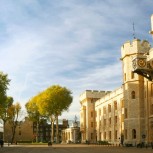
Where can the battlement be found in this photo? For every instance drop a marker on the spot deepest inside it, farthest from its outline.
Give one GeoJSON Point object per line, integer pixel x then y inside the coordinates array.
{"type": "Point", "coordinates": [93, 94]}
{"type": "Point", "coordinates": [135, 47]}
{"type": "Point", "coordinates": [110, 96]}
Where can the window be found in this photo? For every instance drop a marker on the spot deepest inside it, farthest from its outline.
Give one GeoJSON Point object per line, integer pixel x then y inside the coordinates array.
{"type": "Point", "coordinates": [125, 133]}
{"type": "Point", "coordinates": [124, 76]}
{"type": "Point", "coordinates": [125, 113]}
{"type": "Point", "coordinates": [91, 124]}
{"type": "Point", "coordinates": [109, 134]}
{"type": "Point", "coordinates": [109, 108]}
{"type": "Point", "coordinates": [104, 110]}
{"type": "Point", "coordinates": [104, 135]}
{"type": "Point", "coordinates": [132, 75]}
{"type": "Point", "coordinates": [133, 94]}
{"type": "Point", "coordinates": [115, 119]}
{"type": "Point", "coordinates": [115, 105]}
{"type": "Point", "coordinates": [100, 123]}
{"type": "Point", "coordinates": [151, 109]}
{"type": "Point", "coordinates": [91, 135]}
{"type": "Point", "coordinates": [133, 134]}
{"type": "Point", "coordinates": [19, 132]}
{"type": "Point", "coordinates": [152, 90]}
{"type": "Point", "coordinates": [116, 134]}
{"type": "Point", "coordinates": [91, 113]}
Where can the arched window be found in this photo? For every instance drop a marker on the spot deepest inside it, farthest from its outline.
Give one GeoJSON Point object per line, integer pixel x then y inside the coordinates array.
{"type": "Point", "coordinates": [132, 75]}
{"type": "Point", "coordinates": [133, 94]}
{"type": "Point", "coordinates": [133, 134]}
{"type": "Point", "coordinates": [124, 76]}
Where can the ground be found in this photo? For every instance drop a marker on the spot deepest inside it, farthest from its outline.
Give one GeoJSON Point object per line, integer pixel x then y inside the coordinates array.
{"type": "Point", "coordinates": [71, 149]}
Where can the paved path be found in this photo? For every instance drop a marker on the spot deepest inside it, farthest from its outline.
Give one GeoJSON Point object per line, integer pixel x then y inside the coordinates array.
{"type": "Point", "coordinates": [71, 149]}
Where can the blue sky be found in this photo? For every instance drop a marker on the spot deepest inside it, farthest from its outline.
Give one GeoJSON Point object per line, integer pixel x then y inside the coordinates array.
{"type": "Point", "coordinates": [74, 43]}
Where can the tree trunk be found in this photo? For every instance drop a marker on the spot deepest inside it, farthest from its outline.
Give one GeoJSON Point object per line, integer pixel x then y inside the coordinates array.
{"type": "Point", "coordinates": [52, 131]}
{"type": "Point", "coordinates": [13, 132]}
{"type": "Point", "coordinates": [57, 130]}
{"type": "Point", "coordinates": [37, 128]}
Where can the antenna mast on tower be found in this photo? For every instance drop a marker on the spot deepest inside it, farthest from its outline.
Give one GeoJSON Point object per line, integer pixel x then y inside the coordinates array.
{"type": "Point", "coordinates": [133, 31]}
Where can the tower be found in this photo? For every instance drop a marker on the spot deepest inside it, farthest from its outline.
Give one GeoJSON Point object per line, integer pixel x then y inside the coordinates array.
{"type": "Point", "coordinates": [133, 92]}
{"type": "Point", "coordinates": [88, 114]}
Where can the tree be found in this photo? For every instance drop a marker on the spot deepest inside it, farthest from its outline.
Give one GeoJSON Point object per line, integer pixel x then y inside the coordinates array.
{"type": "Point", "coordinates": [13, 114]}
{"type": "Point", "coordinates": [4, 107]}
{"type": "Point", "coordinates": [4, 100]}
{"type": "Point", "coordinates": [33, 112]}
{"type": "Point", "coordinates": [4, 82]}
{"type": "Point", "coordinates": [55, 100]}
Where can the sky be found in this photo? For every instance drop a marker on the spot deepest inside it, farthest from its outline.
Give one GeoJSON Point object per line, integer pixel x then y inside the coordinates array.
{"type": "Point", "coordinates": [73, 43]}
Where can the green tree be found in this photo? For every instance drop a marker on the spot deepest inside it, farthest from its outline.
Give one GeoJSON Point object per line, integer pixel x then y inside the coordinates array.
{"type": "Point", "coordinates": [54, 101]}
{"type": "Point", "coordinates": [33, 112]}
{"type": "Point", "coordinates": [4, 107]}
{"type": "Point", "coordinates": [13, 114]}
{"type": "Point", "coordinates": [4, 100]}
{"type": "Point", "coordinates": [4, 83]}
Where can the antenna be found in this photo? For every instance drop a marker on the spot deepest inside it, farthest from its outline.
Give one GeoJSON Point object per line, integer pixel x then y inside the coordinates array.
{"type": "Point", "coordinates": [133, 31]}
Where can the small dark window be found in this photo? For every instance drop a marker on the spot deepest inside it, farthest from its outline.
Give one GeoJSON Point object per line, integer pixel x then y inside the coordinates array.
{"type": "Point", "coordinates": [19, 132]}
{"type": "Point", "coordinates": [133, 134]}
{"type": "Point", "coordinates": [124, 76]}
{"type": "Point", "coordinates": [132, 75]}
{"type": "Point", "coordinates": [133, 94]}
{"type": "Point", "coordinates": [125, 113]}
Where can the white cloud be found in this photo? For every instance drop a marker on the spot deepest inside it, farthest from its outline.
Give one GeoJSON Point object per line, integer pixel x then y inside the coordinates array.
{"type": "Point", "coordinates": [72, 43]}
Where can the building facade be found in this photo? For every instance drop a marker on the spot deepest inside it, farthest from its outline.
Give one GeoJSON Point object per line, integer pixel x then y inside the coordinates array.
{"type": "Point", "coordinates": [124, 115]}
{"type": "Point", "coordinates": [26, 131]}
{"type": "Point", "coordinates": [71, 134]}
{"type": "Point", "coordinates": [1, 129]}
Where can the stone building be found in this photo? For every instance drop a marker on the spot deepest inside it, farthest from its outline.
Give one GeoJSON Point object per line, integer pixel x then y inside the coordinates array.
{"type": "Point", "coordinates": [26, 131]}
{"type": "Point", "coordinates": [1, 129]}
{"type": "Point", "coordinates": [44, 130]}
{"type": "Point", "coordinates": [71, 134]}
{"type": "Point", "coordinates": [124, 115]}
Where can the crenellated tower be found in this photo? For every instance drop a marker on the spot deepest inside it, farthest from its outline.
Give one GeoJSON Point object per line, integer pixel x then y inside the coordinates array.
{"type": "Point", "coordinates": [88, 114]}
{"type": "Point", "coordinates": [133, 90]}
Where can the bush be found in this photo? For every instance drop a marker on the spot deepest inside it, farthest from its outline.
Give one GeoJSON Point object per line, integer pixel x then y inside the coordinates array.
{"type": "Point", "coordinates": [103, 143]}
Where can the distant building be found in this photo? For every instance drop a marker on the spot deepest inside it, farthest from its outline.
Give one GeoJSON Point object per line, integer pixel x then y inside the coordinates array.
{"type": "Point", "coordinates": [26, 131]}
{"type": "Point", "coordinates": [71, 134]}
{"type": "Point", "coordinates": [1, 129]}
{"type": "Point", "coordinates": [44, 133]}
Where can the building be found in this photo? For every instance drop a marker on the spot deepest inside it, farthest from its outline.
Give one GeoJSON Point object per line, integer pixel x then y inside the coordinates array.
{"type": "Point", "coordinates": [26, 131]}
{"type": "Point", "coordinates": [71, 134]}
{"type": "Point", "coordinates": [44, 130]}
{"type": "Point", "coordinates": [124, 115]}
{"type": "Point", "coordinates": [1, 129]}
